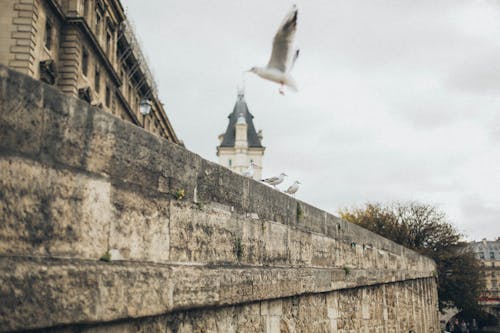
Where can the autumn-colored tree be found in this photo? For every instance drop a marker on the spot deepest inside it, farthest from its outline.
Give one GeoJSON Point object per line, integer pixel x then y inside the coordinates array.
{"type": "Point", "coordinates": [425, 229]}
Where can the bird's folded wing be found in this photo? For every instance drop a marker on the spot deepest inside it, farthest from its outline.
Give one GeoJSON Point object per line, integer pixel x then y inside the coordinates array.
{"type": "Point", "coordinates": [283, 40]}
{"type": "Point", "coordinates": [272, 179]}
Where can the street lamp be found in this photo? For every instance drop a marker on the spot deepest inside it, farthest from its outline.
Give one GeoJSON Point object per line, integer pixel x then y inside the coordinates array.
{"type": "Point", "coordinates": [145, 109]}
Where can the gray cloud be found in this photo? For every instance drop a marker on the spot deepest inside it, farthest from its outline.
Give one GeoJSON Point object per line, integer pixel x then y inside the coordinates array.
{"type": "Point", "coordinates": [484, 214]}
{"type": "Point", "coordinates": [398, 100]}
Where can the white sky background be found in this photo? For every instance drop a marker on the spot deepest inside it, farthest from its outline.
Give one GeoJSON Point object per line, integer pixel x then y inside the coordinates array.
{"type": "Point", "coordinates": [398, 100]}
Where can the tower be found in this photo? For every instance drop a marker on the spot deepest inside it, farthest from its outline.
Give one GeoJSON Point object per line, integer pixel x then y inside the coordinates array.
{"type": "Point", "coordinates": [241, 144]}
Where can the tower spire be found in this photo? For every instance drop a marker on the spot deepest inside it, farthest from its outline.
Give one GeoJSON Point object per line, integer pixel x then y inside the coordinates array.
{"type": "Point", "coordinates": [241, 145]}
{"type": "Point", "coordinates": [241, 89]}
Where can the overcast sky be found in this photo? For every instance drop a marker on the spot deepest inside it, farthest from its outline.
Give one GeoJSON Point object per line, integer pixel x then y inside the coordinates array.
{"type": "Point", "coordinates": [398, 100]}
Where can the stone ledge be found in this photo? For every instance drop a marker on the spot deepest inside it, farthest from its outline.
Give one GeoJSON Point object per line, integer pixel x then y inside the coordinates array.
{"type": "Point", "coordinates": [84, 291]}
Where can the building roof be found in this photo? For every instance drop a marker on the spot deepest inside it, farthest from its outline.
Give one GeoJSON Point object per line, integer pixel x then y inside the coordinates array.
{"type": "Point", "coordinates": [489, 249]}
{"type": "Point", "coordinates": [241, 110]}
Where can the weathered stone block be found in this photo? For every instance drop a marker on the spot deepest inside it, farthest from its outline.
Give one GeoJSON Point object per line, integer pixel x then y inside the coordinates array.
{"type": "Point", "coordinates": [51, 212]}
{"type": "Point", "coordinates": [140, 227]}
{"type": "Point", "coordinates": [21, 116]}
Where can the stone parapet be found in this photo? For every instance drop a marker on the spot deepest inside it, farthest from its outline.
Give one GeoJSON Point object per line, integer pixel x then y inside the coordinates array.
{"type": "Point", "coordinates": [102, 221]}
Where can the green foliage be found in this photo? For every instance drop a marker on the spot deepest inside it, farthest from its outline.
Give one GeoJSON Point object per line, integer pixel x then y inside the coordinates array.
{"type": "Point", "coordinates": [426, 230]}
{"type": "Point", "coordinates": [238, 248]}
{"type": "Point", "coordinates": [106, 257]}
{"type": "Point", "coordinates": [180, 194]}
{"type": "Point", "coordinates": [347, 270]}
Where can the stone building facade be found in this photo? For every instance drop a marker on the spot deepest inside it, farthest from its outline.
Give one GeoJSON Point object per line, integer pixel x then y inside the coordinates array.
{"type": "Point", "coordinates": [241, 144]}
{"type": "Point", "coordinates": [489, 254]}
{"type": "Point", "coordinates": [87, 49]}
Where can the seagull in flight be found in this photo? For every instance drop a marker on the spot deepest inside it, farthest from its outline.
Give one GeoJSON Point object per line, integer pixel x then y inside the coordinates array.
{"type": "Point", "coordinates": [293, 188]}
{"type": "Point", "coordinates": [283, 56]}
{"type": "Point", "coordinates": [275, 180]}
{"type": "Point", "coordinates": [249, 172]}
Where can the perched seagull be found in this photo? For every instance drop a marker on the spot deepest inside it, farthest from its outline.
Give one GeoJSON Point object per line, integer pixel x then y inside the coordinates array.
{"type": "Point", "coordinates": [275, 180]}
{"type": "Point", "coordinates": [249, 172]}
{"type": "Point", "coordinates": [283, 56]}
{"type": "Point", "coordinates": [293, 188]}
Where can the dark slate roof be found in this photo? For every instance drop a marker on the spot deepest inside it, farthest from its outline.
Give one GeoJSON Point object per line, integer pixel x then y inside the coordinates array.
{"type": "Point", "coordinates": [240, 108]}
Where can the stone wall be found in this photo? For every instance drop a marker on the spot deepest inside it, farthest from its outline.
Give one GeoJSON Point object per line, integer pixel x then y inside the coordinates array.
{"type": "Point", "coordinates": [107, 228]}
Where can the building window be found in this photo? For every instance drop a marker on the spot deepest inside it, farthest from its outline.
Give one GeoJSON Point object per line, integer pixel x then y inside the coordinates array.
{"type": "Point", "coordinates": [492, 255]}
{"type": "Point", "coordinates": [97, 82]}
{"type": "Point", "coordinates": [230, 163]}
{"type": "Point", "coordinates": [85, 61]}
{"type": "Point", "coordinates": [108, 41]}
{"type": "Point", "coordinates": [108, 96]}
{"type": "Point", "coordinates": [97, 23]}
{"type": "Point", "coordinates": [481, 255]}
{"type": "Point", "coordinates": [86, 8]}
{"type": "Point", "coordinates": [48, 34]}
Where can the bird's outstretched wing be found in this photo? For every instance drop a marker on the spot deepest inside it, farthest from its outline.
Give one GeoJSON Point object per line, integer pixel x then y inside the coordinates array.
{"type": "Point", "coordinates": [283, 42]}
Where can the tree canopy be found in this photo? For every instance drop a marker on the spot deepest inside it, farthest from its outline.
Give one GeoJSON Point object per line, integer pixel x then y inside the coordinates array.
{"type": "Point", "coordinates": [425, 229]}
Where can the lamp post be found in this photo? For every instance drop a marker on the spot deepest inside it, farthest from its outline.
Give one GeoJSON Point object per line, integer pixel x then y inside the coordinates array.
{"type": "Point", "coordinates": [145, 108]}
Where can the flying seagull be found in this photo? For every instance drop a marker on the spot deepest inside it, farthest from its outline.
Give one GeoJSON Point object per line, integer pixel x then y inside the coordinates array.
{"type": "Point", "coordinates": [249, 172]}
{"type": "Point", "coordinates": [275, 180]}
{"type": "Point", "coordinates": [283, 56]}
{"type": "Point", "coordinates": [293, 188]}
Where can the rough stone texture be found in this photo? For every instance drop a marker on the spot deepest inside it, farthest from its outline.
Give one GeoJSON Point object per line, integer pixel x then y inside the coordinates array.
{"type": "Point", "coordinates": [230, 255]}
{"type": "Point", "coordinates": [393, 308]}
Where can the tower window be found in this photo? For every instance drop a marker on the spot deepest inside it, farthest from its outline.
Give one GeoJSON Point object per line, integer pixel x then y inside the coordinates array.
{"type": "Point", "coordinates": [85, 61]}
{"type": "Point", "coordinates": [108, 96]}
{"type": "Point", "coordinates": [230, 163]}
{"type": "Point", "coordinates": [97, 79]}
{"type": "Point", "coordinates": [492, 255]}
{"type": "Point", "coordinates": [48, 34]}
